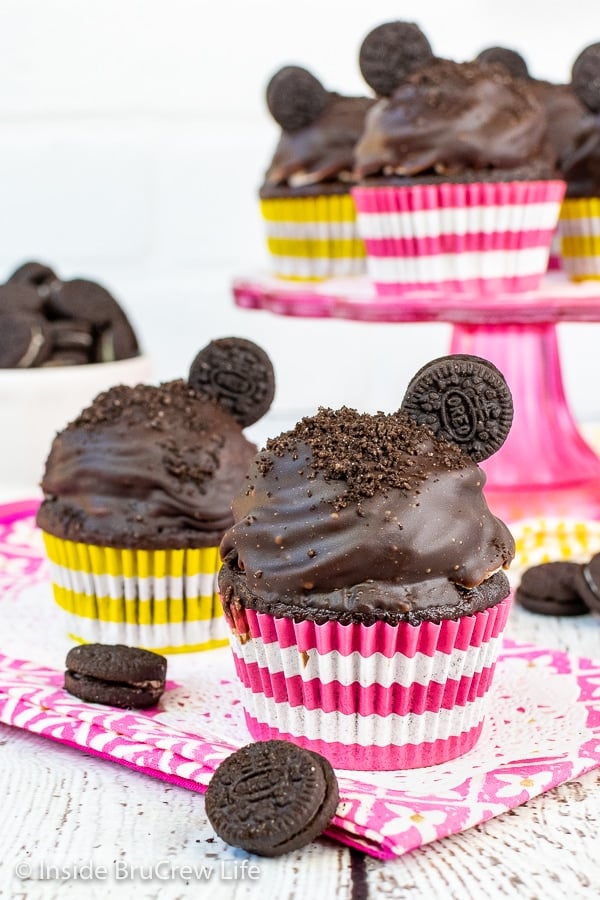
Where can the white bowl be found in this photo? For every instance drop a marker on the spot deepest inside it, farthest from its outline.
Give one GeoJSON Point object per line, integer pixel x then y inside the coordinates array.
{"type": "Point", "coordinates": [37, 403]}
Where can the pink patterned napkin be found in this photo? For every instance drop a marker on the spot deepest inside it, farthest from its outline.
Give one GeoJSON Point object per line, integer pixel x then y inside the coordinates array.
{"type": "Point", "coordinates": [542, 727]}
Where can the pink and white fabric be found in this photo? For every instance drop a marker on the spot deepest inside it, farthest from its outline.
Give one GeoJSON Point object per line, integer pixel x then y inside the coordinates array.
{"type": "Point", "coordinates": [376, 697]}
{"type": "Point", "coordinates": [542, 727]}
{"type": "Point", "coordinates": [481, 238]}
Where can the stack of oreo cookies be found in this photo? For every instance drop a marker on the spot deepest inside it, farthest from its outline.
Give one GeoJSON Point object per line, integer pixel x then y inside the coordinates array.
{"type": "Point", "coordinates": [561, 588]}
{"type": "Point", "coordinates": [45, 321]}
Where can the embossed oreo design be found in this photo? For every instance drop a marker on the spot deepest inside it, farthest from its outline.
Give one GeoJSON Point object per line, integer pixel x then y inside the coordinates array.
{"type": "Point", "coordinates": [238, 375]}
{"type": "Point", "coordinates": [463, 399]}
{"type": "Point", "coordinates": [271, 797]}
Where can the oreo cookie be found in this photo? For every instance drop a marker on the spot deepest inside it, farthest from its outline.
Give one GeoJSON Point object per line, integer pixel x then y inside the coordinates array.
{"type": "Point", "coordinates": [463, 399]}
{"type": "Point", "coordinates": [238, 375]}
{"type": "Point", "coordinates": [35, 274]}
{"type": "Point", "coordinates": [115, 675]}
{"type": "Point", "coordinates": [585, 77]}
{"type": "Point", "coordinates": [552, 589]}
{"type": "Point", "coordinates": [296, 98]}
{"type": "Point", "coordinates": [271, 797]}
{"type": "Point", "coordinates": [392, 52]}
{"type": "Point", "coordinates": [509, 59]}
{"type": "Point", "coordinates": [17, 298]}
{"type": "Point", "coordinates": [24, 340]}
{"type": "Point", "coordinates": [588, 583]}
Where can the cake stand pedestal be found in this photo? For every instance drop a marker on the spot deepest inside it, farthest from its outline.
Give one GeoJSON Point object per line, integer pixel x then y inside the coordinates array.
{"type": "Point", "coordinates": [545, 467]}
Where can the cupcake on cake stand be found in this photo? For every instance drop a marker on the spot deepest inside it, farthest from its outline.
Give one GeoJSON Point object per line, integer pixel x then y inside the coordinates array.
{"type": "Point", "coordinates": [545, 468]}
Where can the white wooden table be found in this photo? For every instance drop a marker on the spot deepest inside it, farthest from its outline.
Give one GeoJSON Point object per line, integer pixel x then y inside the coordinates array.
{"type": "Point", "coordinates": [75, 826]}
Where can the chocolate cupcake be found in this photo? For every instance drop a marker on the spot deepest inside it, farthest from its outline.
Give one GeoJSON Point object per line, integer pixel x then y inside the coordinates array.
{"type": "Point", "coordinates": [458, 181]}
{"type": "Point", "coordinates": [305, 198]}
{"type": "Point", "coordinates": [579, 224]}
{"type": "Point", "coordinates": [363, 580]}
{"type": "Point", "coordinates": [137, 498]}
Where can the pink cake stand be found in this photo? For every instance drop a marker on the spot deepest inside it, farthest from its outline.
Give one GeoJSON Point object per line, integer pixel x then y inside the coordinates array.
{"type": "Point", "coordinates": [545, 467]}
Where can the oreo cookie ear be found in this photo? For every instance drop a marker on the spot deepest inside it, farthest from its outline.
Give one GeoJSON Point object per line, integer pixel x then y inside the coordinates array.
{"type": "Point", "coordinates": [238, 375]}
{"type": "Point", "coordinates": [390, 53]}
{"type": "Point", "coordinates": [585, 77]}
{"type": "Point", "coordinates": [295, 98]}
{"type": "Point", "coordinates": [463, 399]}
{"type": "Point", "coordinates": [512, 61]}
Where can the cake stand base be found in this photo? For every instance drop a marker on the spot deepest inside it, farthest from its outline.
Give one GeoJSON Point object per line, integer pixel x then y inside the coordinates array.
{"type": "Point", "coordinates": [545, 467]}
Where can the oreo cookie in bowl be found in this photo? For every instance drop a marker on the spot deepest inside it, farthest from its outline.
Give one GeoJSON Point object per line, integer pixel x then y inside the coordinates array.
{"type": "Point", "coordinates": [61, 343]}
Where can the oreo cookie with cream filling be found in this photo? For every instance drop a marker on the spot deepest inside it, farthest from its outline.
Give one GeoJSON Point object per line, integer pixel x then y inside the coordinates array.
{"type": "Point", "coordinates": [588, 583]}
{"type": "Point", "coordinates": [24, 340]}
{"type": "Point", "coordinates": [552, 589]}
{"type": "Point", "coordinates": [115, 675]}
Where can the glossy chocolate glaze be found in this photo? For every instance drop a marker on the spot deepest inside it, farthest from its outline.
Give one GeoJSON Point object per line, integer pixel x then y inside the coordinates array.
{"type": "Point", "coordinates": [145, 467]}
{"type": "Point", "coordinates": [462, 121]}
{"type": "Point", "coordinates": [581, 166]}
{"type": "Point", "coordinates": [319, 155]}
{"type": "Point", "coordinates": [563, 112]}
{"type": "Point", "coordinates": [302, 542]}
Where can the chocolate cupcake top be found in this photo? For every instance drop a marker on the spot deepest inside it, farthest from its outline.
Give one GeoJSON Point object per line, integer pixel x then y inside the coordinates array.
{"type": "Point", "coordinates": [148, 467]}
{"type": "Point", "coordinates": [580, 159]}
{"type": "Point", "coordinates": [351, 515]}
{"type": "Point", "coordinates": [460, 121]}
{"type": "Point", "coordinates": [319, 131]}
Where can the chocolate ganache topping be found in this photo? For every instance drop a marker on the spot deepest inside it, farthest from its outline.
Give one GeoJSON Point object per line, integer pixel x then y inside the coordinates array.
{"type": "Point", "coordinates": [580, 159]}
{"type": "Point", "coordinates": [372, 517]}
{"type": "Point", "coordinates": [320, 129]}
{"type": "Point", "coordinates": [145, 467]}
{"type": "Point", "coordinates": [464, 121]}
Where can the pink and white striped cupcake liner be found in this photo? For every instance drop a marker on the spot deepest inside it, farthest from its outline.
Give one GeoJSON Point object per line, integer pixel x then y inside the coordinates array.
{"type": "Point", "coordinates": [481, 238]}
{"type": "Point", "coordinates": [368, 697]}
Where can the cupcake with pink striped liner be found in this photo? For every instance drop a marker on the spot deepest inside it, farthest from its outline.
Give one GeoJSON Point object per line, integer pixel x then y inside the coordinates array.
{"type": "Point", "coordinates": [457, 183]}
{"type": "Point", "coordinates": [362, 580]}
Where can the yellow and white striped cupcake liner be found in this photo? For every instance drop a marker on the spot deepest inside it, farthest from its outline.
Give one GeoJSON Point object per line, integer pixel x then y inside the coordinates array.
{"type": "Point", "coordinates": [544, 540]}
{"type": "Point", "coordinates": [163, 600]}
{"type": "Point", "coordinates": [312, 238]}
{"type": "Point", "coordinates": [579, 229]}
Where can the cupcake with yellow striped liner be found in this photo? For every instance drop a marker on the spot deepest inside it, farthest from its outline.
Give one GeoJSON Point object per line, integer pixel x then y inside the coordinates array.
{"type": "Point", "coordinates": [137, 494]}
{"type": "Point", "coordinates": [305, 198]}
{"type": "Point", "coordinates": [579, 223]}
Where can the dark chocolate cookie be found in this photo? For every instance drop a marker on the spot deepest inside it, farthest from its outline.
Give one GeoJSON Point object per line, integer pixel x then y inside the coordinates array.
{"type": "Point", "coordinates": [296, 98]}
{"type": "Point", "coordinates": [238, 375]}
{"type": "Point", "coordinates": [33, 273]}
{"type": "Point", "coordinates": [24, 340]}
{"type": "Point", "coordinates": [15, 297]}
{"type": "Point", "coordinates": [512, 61]}
{"type": "Point", "coordinates": [585, 77]}
{"type": "Point", "coordinates": [116, 675]}
{"type": "Point", "coordinates": [552, 589]}
{"type": "Point", "coordinates": [82, 299]}
{"type": "Point", "coordinates": [463, 399]}
{"type": "Point", "coordinates": [271, 797]}
{"type": "Point", "coordinates": [390, 53]}
{"type": "Point", "coordinates": [588, 583]}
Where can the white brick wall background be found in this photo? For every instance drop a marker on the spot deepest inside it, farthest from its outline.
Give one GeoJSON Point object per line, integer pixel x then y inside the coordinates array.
{"type": "Point", "coordinates": [133, 137]}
